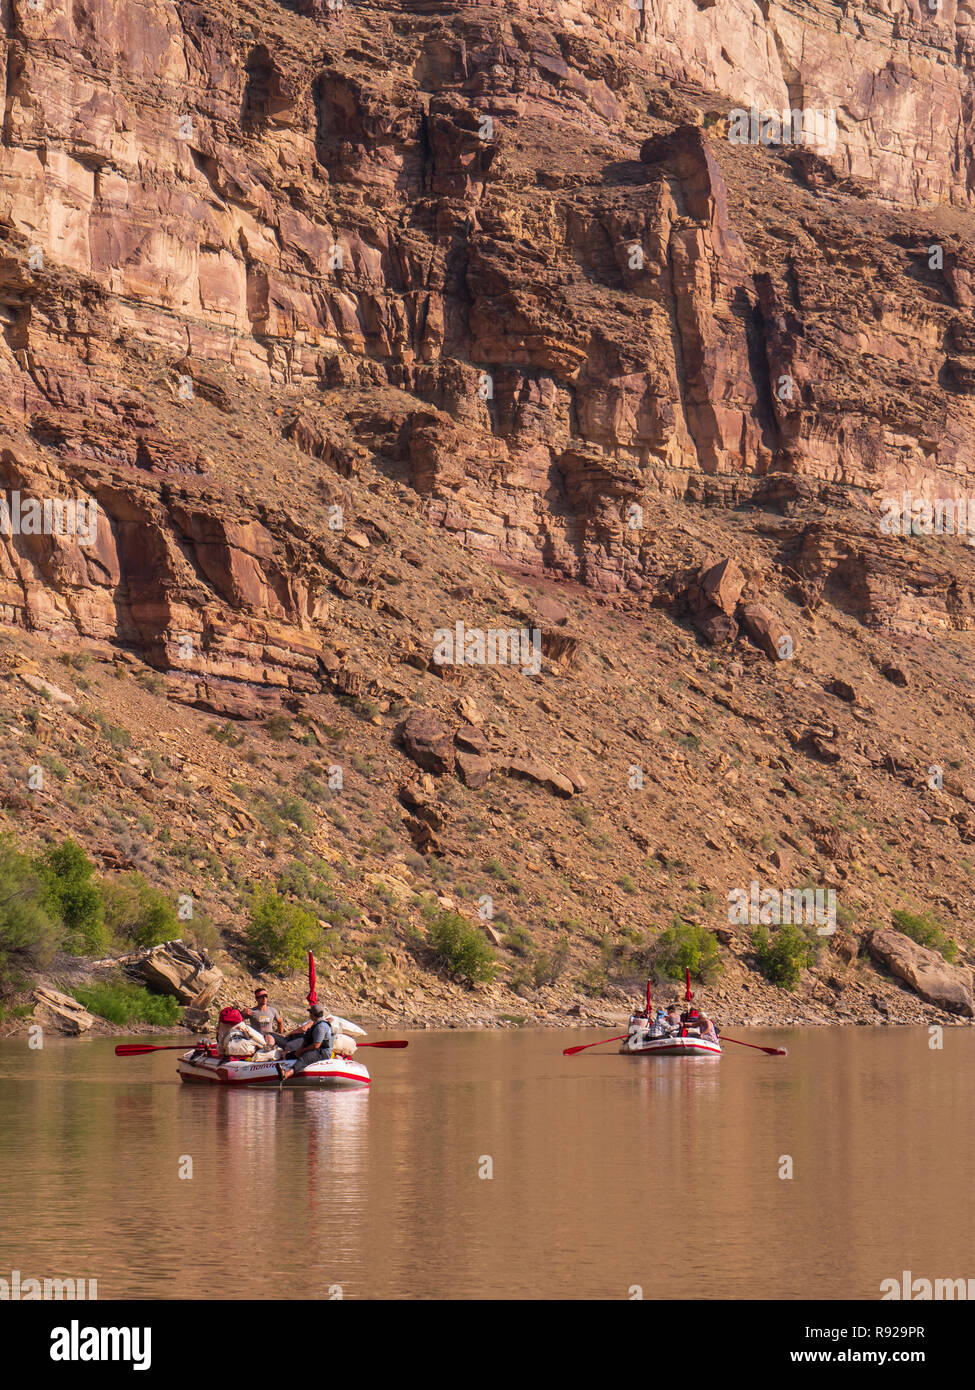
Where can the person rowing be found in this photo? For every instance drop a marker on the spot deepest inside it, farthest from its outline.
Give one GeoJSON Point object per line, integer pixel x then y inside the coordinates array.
{"type": "Point", "coordinates": [315, 1045]}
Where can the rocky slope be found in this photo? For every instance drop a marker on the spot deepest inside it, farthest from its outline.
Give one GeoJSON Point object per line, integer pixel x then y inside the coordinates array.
{"type": "Point", "coordinates": [361, 321]}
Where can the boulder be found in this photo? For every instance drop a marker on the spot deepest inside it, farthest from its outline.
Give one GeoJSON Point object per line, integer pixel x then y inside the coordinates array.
{"type": "Point", "coordinates": [894, 674]}
{"type": "Point", "coordinates": [842, 690]}
{"type": "Point", "coordinates": [173, 968]}
{"type": "Point", "coordinates": [767, 631]}
{"type": "Point", "coordinates": [469, 711]}
{"type": "Point", "coordinates": [541, 774]}
{"type": "Point", "coordinates": [47, 690]}
{"type": "Point", "coordinates": [474, 770]}
{"type": "Point", "coordinates": [722, 585]}
{"type": "Point", "coordinates": [429, 742]}
{"type": "Point", "coordinates": [422, 806]}
{"type": "Point", "coordinates": [946, 986]}
{"type": "Point", "coordinates": [474, 740]}
{"type": "Point", "coordinates": [560, 647]}
{"type": "Point", "coordinates": [715, 626]}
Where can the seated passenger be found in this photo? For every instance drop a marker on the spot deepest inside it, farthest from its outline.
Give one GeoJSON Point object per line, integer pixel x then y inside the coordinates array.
{"type": "Point", "coordinates": [673, 1017]}
{"type": "Point", "coordinates": [239, 1039]}
{"type": "Point", "coordinates": [316, 1045]}
{"type": "Point", "coordinates": [661, 1028]}
{"type": "Point", "coordinates": [708, 1029]}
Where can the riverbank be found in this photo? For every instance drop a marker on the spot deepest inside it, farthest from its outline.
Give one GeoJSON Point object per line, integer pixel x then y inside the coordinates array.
{"type": "Point", "coordinates": [855, 991]}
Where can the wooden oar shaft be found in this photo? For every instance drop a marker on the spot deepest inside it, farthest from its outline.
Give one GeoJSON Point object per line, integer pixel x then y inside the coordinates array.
{"type": "Point", "coordinates": [140, 1049]}
{"type": "Point", "coordinates": [772, 1051]}
{"type": "Point", "coordinates": [570, 1051]}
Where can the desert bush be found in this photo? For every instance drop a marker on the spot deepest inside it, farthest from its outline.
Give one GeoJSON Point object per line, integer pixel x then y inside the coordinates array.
{"type": "Point", "coordinates": [29, 933]}
{"type": "Point", "coordinates": [461, 947]}
{"type": "Point", "coordinates": [926, 930]}
{"type": "Point", "coordinates": [137, 914]}
{"type": "Point", "coordinates": [279, 933]}
{"type": "Point", "coordinates": [684, 946]}
{"type": "Point", "coordinates": [784, 953]}
{"type": "Point", "coordinates": [549, 965]}
{"type": "Point", "coordinates": [73, 897]}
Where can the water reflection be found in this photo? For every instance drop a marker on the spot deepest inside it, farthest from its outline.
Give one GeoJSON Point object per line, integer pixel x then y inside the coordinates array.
{"type": "Point", "coordinates": [601, 1165]}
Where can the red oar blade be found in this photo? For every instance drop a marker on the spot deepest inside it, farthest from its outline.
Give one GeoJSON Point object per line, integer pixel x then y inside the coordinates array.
{"type": "Point", "coordinates": [571, 1051]}
{"type": "Point", "coordinates": [137, 1049]}
{"type": "Point", "coordinates": [387, 1042]}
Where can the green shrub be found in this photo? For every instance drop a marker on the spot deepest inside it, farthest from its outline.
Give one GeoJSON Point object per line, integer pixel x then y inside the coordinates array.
{"type": "Point", "coordinates": [518, 940]}
{"type": "Point", "coordinates": [123, 1003]}
{"type": "Point", "coordinates": [549, 965]}
{"type": "Point", "coordinates": [73, 896]}
{"type": "Point", "coordinates": [461, 947]}
{"type": "Point", "coordinates": [926, 930]}
{"type": "Point", "coordinates": [137, 914]}
{"type": "Point", "coordinates": [684, 946]}
{"type": "Point", "coordinates": [279, 933]}
{"type": "Point", "coordinates": [28, 931]}
{"type": "Point", "coordinates": [278, 727]}
{"type": "Point", "coordinates": [784, 953]}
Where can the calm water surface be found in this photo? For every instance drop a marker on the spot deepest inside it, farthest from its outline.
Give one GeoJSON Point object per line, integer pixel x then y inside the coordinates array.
{"type": "Point", "coordinates": [608, 1171]}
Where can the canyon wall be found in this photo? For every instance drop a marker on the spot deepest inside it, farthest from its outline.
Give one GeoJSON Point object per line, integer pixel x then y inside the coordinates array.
{"type": "Point", "coordinates": [504, 254]}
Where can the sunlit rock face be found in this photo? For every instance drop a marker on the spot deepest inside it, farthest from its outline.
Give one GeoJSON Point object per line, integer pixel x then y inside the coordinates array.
{"type": "Point", "coordinates": [547, 265]}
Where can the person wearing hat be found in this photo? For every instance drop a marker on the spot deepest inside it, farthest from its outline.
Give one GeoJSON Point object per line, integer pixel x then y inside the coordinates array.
{"type": "Point", "coordinates": [316, 1045]}
{"type": "Point", "coordinates": [235, 1038]}
{"type": "Point", "coordinates": [264, 1016]}
{"type": "Point", "coordinates": [673, 1016]}
{"type": "Point", "coordinates": [692, 1019]}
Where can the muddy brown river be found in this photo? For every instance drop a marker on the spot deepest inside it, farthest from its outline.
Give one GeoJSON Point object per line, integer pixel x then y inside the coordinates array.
{"type": "Point", "coordinates": [487, 1165]}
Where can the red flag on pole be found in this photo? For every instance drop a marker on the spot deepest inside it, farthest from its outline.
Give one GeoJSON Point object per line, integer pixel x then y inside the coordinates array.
{"type": "Point", "coordinates": [687, 988]}
{"type": "Point", "coordinates": [312, 996]}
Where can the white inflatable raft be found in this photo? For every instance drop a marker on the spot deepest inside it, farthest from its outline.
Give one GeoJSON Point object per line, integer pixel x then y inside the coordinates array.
{"type": "Point", "coordinates": [641, 1042]}
{"type": "Point", "coordinates": [337, 1074]}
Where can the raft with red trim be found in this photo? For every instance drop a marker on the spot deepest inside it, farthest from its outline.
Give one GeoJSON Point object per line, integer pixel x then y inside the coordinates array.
{"type": "Point", "coordinates": [336, 1074]}
{"type": "Point", "coordinates": [693, 1046]}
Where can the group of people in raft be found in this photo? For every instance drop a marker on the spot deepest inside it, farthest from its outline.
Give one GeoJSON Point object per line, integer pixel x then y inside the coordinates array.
{"type": "Point", "coordinates": [671, 1023]}
{"type": "Point", "coordinates": [258, 1035]}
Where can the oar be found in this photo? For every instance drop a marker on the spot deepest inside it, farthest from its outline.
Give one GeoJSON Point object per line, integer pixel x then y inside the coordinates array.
{"type": "Point", "coordinates": [568, 1051]}
{"type": "Point", "coordinates": [771, 1051]}
{"type": "Point", "coordinates": [137, 1049]}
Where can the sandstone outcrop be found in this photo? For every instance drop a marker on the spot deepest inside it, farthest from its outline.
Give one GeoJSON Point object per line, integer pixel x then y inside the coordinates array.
{"type": "Point", "coordinates": [176, 969]}
{"type": "Point", "coordinates": [925, 971]}
{"type": "Point", "coordinates": [429, 742]}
